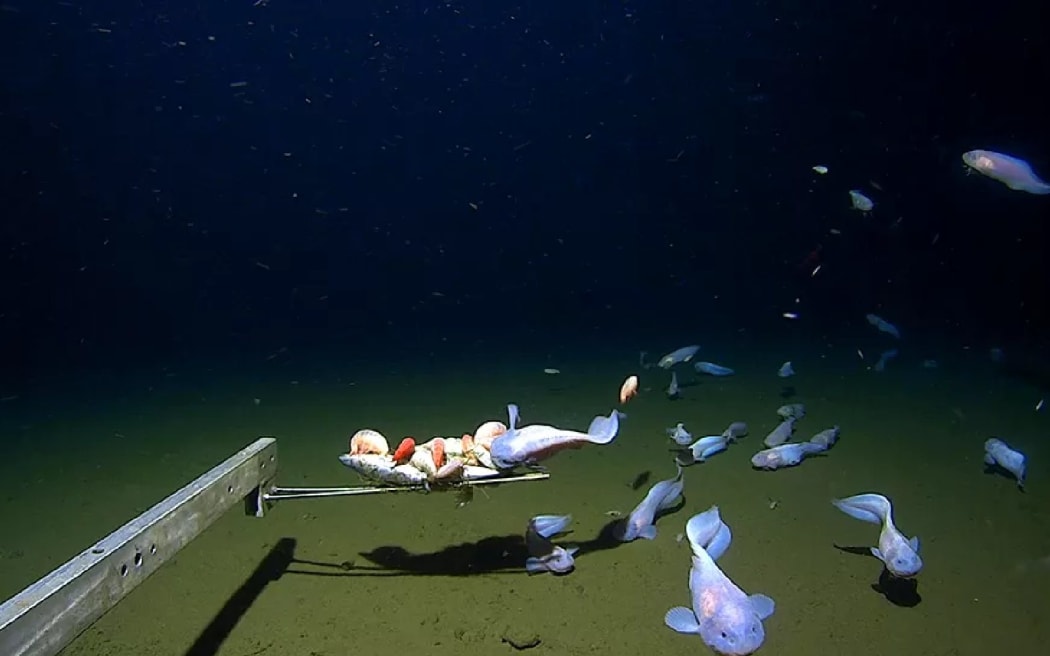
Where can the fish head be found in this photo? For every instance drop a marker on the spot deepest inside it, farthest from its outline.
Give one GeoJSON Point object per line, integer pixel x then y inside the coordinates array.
{"type": "Point", "coordinates": [768, 459]}
{"type": "Point", "coordinates": [561, 560]}
{"type": "Point", "coordinates": [904, 563]}
{"type": "Point", "coordinates": [731, 627]}
{"type": "Point", "coordinates": [970, 157]}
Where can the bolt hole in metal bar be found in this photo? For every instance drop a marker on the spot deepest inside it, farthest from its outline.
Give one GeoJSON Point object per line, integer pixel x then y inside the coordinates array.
{"type": "Point", "coordinates": [49, 614]}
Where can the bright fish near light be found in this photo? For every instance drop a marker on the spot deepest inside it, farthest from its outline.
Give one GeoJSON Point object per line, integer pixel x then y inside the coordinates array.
{"type": "Point", "coordinates": [1013, 172]}
{"type": "Point", "coordinates": [712, 369]}
{"type": "Point", "coordinates": [898, 553]}
{"type": "Point", "coordinates": [728, 620]}
{"type": "Point", "coordinates": [860, 202]}
{"type": "Point", "coordinates": [529, 445]}
{"type": "Point", "coordinates": [684, 354]}
{"type": "Point", "coordinates": [998, 453]}
{"type": "Point", "coordinates": [786, 370]}
{"type": "Point", "coordinates": [882, 325]}
{"type": "Point", "coordinates": [679, 434]}
{"type": "Point", "coordinates": [661, 496]}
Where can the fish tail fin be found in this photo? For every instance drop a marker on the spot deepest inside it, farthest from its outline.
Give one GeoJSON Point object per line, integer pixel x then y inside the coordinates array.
{"type": "Point", "coordinates": [871, 508]}
{"type": "Point", "coordinates": [603, 429]}
{"type": "Point", "coordinates": [512, 417]}
{"type": "Point", "coordinates": [550, 525]}
{"type": "Point", "coordinates": [706, 531]}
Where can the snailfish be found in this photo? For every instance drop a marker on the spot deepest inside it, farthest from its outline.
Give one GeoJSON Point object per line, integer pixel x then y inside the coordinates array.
{"type": "Point", "coordinates": [684, 354]}
{"type": "Point", "coordinates": [785, 455]}
{"type": "Point", "coordinates": [661, 496]}
{"type": "Point", "coordinates": [544, 555]}
{"type": "Point", "coordinates": [527, 445]}
{"type": "Point", "coordinates": [712, 369]}
{"type": "Point", "coordinates": [1013, 172]}
{"type": "Point", "coordinates": [998, 453]}
{"type": "Point", "coordinates": [726, 618]}
{"type": "Point", "coordinates": [898, 553]}
{"type": "Point", "coordinates": [780, 434]}
{"type": "Point", "coordinates": [680, 435]}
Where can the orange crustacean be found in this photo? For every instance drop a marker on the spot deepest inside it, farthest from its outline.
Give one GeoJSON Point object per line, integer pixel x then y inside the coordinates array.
{"type": "Point", "coordinates": [629, 389]}
{"type": "Point", "coordinates": [404, 451]}
{"type": "Point", "coordinates": [437, 448]}
{"type": "Point", "coordinates": [368, 441]}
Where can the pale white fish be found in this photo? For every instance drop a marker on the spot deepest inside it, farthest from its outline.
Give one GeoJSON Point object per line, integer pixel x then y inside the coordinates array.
{"type": "Point", "coordinates": [780, 434]}
{"type": "Point", "coordinates": [544, 555]}
{"type": "Point", "coordinates": [998, 453]}
{"type": "Point", "coordinates": [661, 496]}
{"type": "Point", "coordinates": [727, 619]}
{"type": "Point", "coordinates": [679, 434]}
{"type": "Point", "coordinates": [383, 469]}
{"type": "Point", "coordinates": [1013, 172]}
{"type": "Point", "coordinates": [528, 445]}
{"type": "Point", "coordinates": [899, 553]}
{"type": "Point", "coordinates": [684, 354]}
{"type": "Point", "coordinates": [860, 202]}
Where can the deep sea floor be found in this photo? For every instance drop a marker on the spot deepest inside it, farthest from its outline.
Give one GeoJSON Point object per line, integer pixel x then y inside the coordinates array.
{"type": "Point", "coordinates": [412, 573]}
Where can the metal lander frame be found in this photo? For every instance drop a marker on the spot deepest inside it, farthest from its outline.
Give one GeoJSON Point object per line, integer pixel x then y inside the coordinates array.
{"type": "Point", "coordinates": [49, 614]}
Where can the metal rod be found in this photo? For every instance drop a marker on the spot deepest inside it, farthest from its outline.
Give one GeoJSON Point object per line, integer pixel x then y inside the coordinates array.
{"type": "Point", "coordinates": [283, 493]}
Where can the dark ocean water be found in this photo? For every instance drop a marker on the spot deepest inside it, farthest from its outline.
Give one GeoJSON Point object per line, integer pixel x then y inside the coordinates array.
{"type": "Point", "coordinates": [223, 220]}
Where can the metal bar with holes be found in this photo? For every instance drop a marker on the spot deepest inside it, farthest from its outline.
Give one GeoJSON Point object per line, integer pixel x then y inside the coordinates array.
{"type": "Point", "coordinates": [49, 614]}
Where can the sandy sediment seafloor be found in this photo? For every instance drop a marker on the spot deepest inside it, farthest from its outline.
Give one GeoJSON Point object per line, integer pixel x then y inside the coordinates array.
{"type": "Point", "coordinates": [409, 572]}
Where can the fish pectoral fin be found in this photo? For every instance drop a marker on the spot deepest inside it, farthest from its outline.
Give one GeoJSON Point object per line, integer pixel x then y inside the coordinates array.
{"type": "Point", "coordinates": [763, 605]}
{"type": "Point", "coordinates": [682, 620]}
{"type": "Point", "coordinates": [914, 544]}
{"type": "Point", "coordinates": [878, 554]}
{"type": "Point", "coordinates": [536, 566]}
{"type": "Point", "coordinates": [649, 532]}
